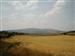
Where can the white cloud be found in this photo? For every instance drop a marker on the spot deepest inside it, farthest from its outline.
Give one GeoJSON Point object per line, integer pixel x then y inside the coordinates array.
{"type": "Point", "coordinates": [23, 7]}
{"type": "Point", "coordinates": [56, 8]}
{"type": "Point", "coordinates": [31, 2]}
{"type": "Point", "coordinates": [26, 15]}
{"type": "Point", "coordinates": [25, 4]}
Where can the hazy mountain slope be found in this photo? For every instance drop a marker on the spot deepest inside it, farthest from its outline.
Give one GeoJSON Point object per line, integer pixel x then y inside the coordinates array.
{"type": "Point", "coordinates": [34, 30]}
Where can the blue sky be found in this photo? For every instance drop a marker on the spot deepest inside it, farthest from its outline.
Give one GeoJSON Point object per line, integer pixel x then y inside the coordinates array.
{"type": "Point", "coordinates": [49, 14]}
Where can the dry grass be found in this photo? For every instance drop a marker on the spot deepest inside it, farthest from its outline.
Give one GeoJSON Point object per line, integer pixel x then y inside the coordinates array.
{"type": "Point", "coordinates": [61, 45]}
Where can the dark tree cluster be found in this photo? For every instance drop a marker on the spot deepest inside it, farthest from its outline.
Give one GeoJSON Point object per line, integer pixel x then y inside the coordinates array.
{"type": "Point", "coordinates": [5, 34]}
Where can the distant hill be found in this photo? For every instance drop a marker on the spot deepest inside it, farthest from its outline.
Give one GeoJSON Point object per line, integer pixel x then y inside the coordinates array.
{"type": "Point", "coordinates": [69, 33]}
{"type": "Point", "coordinates": [33, 31]}
{"type": "Point", "coordinates": [37, 31]}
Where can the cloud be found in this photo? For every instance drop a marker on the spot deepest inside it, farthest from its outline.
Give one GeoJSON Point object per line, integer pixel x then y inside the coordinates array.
{"type": "Point", "coordinates": [23, 7]}
{"type": "Point", "coordinates": [31, 2]}
{"type": "Point", "coordinates": [20, 14]}
{"type": "Point", "coordinates": [25, 4]}
{"type": "Point", "coordinates": [17, 4]}
{"type": "Point", "coordinates": [56, 9]}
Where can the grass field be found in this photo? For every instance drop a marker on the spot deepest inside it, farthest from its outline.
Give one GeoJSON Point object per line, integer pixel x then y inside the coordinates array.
{"type": "Point", "coordinates": [60, 45]}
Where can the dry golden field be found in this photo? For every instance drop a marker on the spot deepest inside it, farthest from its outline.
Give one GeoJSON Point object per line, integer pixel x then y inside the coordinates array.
{"type": "Point", "coordinates": [30, 45]}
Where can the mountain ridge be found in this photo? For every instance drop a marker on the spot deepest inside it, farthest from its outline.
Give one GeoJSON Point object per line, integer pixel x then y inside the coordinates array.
{"type": "Point", "coordinates": [36, 30]}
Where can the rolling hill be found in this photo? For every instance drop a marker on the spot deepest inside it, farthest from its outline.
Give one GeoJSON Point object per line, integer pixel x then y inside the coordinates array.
{"type": "Point", "coordinates": [37, 31]}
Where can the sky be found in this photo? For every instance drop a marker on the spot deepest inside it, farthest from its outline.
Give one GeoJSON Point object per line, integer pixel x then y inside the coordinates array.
{"type": "Point", "coordinates": [44, 14]}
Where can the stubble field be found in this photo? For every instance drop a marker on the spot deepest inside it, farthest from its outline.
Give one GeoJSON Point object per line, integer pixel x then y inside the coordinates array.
{"type": "Point", "coordinates": [31, 45]}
